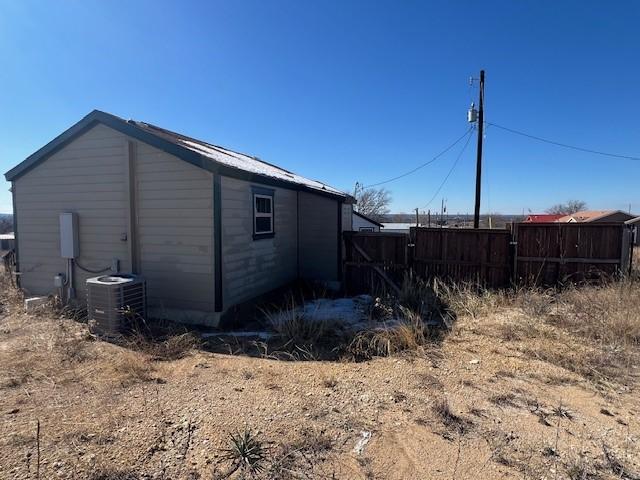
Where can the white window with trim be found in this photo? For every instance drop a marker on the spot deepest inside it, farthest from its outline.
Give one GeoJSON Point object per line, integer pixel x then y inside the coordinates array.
{"type": "Point", "coordinates": [262, 213]}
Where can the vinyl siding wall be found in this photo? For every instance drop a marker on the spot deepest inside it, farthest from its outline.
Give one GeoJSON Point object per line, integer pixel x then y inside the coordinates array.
{"type": "Point", "coordinates": [174, 227]}
{"type": "Point", "coordinates": [254, 267]}
{"type": "Point", "coordinates": [318, 237]}
{"type": "Point", "coordinates": [175, 234]}
{"type": "Point", "coordinates": [86, 177]}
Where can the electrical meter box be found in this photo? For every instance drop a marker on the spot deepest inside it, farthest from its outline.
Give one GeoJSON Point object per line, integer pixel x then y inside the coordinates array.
{"type": "Point", "coordinates": [69, 238]}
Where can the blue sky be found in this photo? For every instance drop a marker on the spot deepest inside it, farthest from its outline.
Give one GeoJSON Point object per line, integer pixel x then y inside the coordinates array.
{"type": "Point", "coordinates": [346, 91]}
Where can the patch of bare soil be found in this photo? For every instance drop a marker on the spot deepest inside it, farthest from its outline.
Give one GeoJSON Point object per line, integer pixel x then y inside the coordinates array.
{"type": "Point", "coordinates": [498, 398]}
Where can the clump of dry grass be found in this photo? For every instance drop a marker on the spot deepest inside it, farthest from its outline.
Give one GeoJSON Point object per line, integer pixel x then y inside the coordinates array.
{"type": "Point", "coordinates": [443, 412]}
{"type": "Point", "coordinates": [131, 368]}
{"type": "Point", "coordinates": [164, 348]}
{"type": "Point", "coordinates": [296, 329]}
{"type": "Point", "coordinates": [409, 334]}
{"type": "Point", "coordinates": [420, 297]}
{"type": "Point", "coordinates": [109, 473]}
{"type": "Point", "coordinates": [535, 302]}
{"type": "Point", "coordinates": [330, 382]}
{"type": "Point", "coordinates": [469, 300]}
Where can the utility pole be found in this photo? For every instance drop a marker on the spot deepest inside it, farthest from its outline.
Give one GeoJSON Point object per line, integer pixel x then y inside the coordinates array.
{"type": "Point", "coordinates": [429, 218]}
{"type": "Point", "coordinates": [476, 215]}
{"type": "Point", "coordinates": [417, 219]}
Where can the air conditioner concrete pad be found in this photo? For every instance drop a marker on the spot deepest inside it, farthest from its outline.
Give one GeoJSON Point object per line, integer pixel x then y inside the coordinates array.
{"type": "Point", "coordinates": [34, 303]}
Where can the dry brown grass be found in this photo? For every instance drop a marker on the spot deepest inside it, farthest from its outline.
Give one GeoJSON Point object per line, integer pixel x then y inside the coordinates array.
{"type": "Point", "coordinates": [295, 329]}
{"type": "Point", "coordinates": [410, 334]}
{"type": "Point", "coordinates": [607, 316]}
{"type": "Point", "coordinates": [593, 331]}
{"type": "Point", "coordinates": [172, 346]}
{"type": "Point", "coordinates": [469, 300]}
{"type": "Point", "coordinates": [450, 420]}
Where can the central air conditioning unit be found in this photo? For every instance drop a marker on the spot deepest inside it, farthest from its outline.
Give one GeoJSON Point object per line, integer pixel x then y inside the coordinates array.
{"type": "Point", "coordinates": [113, 301]}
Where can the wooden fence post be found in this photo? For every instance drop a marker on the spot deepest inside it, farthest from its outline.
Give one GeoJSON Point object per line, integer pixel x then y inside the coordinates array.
{"type": "Point", "coordinates": [627, 248]}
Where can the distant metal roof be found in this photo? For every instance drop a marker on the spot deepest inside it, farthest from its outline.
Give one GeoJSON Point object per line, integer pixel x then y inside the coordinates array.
{"type": "Point", "coordinates": [591, 215]}
{"type": "Point", "coordinates": [368, 219]}
{"type": "Point", "coordinates": [398, 226]}
{"type": "Point", "coordinates": [199, 153]}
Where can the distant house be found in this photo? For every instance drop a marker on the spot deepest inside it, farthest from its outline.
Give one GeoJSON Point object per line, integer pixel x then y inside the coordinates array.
{"type": "Point", "coordinates": [543, 218]}
{"type": "Point", "coordinates": [362, 223]}
{"type": "Point", "coordinates": [635, 226]}
{"type": "Point", "coordinates": [393, 227]}
{"type": "Point", "coordinates": [7, 244]}
{"type": "Point", "coordinates": [597, 216]}
{"type": "Point", "coordinates": [7, 241]}
{"type": "Point", "coordinates": [208, 228]}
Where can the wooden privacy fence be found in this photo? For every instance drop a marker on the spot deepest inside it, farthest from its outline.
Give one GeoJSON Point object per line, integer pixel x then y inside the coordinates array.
{"type": "Point", "coordinates": [554, 253]}
{"type": "Point", "coordinates": [542, 254]}
{"type": "Point", "coordinates": [463, 255]}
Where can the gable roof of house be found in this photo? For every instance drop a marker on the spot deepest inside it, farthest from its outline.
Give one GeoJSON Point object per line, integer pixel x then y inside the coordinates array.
{"type": "Point", "coordinates": [368, 219]}
{"type": "Point", "coordinates": [199, 153]}
{"type": "Point", "coordinates": [586, 216]}
{"type": "Point", "coordinates": [544, 218]}
{"type": "Point", "coordinates": [633, 221]}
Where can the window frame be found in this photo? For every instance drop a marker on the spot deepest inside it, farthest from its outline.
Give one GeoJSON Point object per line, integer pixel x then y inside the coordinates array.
{"type": "Point", "coordinates": [266, 193]}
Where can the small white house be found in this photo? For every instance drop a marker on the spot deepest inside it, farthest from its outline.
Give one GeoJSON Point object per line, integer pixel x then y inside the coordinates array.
{"type": "Point", "coordinates": [208, 228]}
{"type": "Point", "coordinates": [7, 241]}
{"type": "Point", "coordinates": [362, 223]}
{"type": "Point", "coordinates": [397, 227]}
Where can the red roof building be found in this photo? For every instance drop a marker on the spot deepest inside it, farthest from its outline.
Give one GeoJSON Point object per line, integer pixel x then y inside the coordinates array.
{"type": "Point", "coordinates": [543, 218]}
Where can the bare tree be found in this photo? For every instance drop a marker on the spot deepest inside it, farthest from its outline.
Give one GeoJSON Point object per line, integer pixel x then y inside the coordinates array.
{"type": "Point", "coordinates": [6, 224]}
{"type": "Point", "coordinates": [372, 202]}
{"type": "Point", "coordinates": [572, 206]}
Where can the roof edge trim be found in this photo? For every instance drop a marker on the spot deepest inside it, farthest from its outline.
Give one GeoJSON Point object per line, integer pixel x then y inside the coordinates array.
{"type": "Point", "coordinates": [130, 129]}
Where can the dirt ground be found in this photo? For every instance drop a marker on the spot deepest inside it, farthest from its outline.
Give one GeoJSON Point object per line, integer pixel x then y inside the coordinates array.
{"type": "Point", "coordinates": [482, 404]}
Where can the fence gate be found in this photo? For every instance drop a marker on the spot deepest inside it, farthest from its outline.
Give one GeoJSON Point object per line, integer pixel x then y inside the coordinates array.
{"type": "Point", "coordinates": [375, 262]}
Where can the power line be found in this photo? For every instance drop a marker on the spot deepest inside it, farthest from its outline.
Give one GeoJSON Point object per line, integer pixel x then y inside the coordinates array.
{"type": "Point", "coordinates": [469, 133]}
{"type": "Point", "coordinates": [422, 165]}
{"type": "Point", "coordinates": [581, 149]}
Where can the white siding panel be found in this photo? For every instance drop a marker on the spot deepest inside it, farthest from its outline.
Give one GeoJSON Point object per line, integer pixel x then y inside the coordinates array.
{"type": "Point", "coordinates": [254, 267]}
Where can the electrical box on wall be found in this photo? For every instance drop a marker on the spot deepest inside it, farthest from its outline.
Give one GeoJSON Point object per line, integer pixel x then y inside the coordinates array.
{"type": "Point", "coordinates": [69, 238]}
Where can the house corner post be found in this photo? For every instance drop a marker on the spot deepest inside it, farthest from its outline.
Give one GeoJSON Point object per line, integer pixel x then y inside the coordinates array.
{"type": "Point", "coordinates": [217, 241]}
{"type": "Point", "coordinates": [16, 243]}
